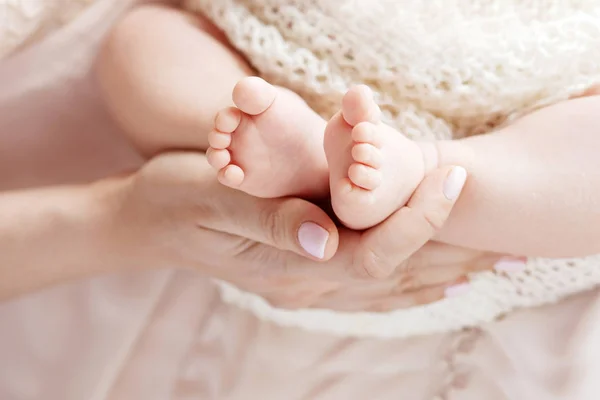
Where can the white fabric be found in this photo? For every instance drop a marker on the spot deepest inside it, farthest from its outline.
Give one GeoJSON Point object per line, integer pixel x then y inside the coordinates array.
{"type": "Point", "coordinates": [439, 69]}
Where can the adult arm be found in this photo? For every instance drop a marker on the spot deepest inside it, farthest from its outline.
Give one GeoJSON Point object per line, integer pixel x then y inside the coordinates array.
{"type": "Point", "coordinates": [51, 235]}
{"type": "Point", "coordinates": [174, 213]}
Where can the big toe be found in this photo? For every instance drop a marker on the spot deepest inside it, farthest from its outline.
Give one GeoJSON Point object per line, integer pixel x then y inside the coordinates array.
{"type": "Point", "coordinates": [358, 106]}
{"type": "Point", "coordinates": [254, 95]}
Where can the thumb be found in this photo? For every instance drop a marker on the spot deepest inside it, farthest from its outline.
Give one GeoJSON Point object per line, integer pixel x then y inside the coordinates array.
{"type": "Point", "coordinates": [389, 244]}
{"type": "Point", "coordinates": [296, 225]}
{"type": "Point", "coordinates": [286, 223]}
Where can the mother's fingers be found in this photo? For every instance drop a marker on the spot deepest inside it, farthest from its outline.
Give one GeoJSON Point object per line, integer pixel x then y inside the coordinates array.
{"type": "Point", "coordinates": [411, 299]}
{"type": "Point", "coordinates": [437, 253]}
{"type": "Point", "coordinates": [286, 223]}
{"type": "Point", "coordinates": [299, 296]}
{"type": "Point", "coordinates": [438, 263]}
{"type": "Point", "coordinates": [419, 297]}
{"type": "Point", "coordinates": [387, 245]}
{"type": "Point", "coordinates": [185, 181]}
{"type": "Point", "coordinates": [383, 299]}
{"type": "Point", "coordinates": [443, 273]}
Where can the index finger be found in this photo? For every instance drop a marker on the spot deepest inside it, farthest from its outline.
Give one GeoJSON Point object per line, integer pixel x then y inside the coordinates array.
{"type": "Point", "coordinates": [384, 247]}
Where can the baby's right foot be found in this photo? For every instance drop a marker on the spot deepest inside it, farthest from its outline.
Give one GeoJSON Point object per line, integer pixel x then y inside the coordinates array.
{"type": "Point", "coordinates": [374, 169]}
{"type": "Point", "coordinates": [270, 145]}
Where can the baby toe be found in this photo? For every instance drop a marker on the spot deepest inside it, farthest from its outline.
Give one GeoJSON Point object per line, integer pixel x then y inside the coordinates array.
{"type": "Point", "coordinates": [228, 120]}
{"type": "Point", "coordinates": [366, 132]}
{"type": "Point", "coordinates": [358, 106]}
{"type": "Point", "coordinates": [231, 176]}
{"type": "Point", "coordinates": [218, 158]}
{"type": "Point", "coordinates": [367, 154]}
{"type": "Point", "coordinates": [219, 140]}
{"type": "Point", "coordinates": [365, 177]}
{"type": "Point", "coordinates": [254, 95]}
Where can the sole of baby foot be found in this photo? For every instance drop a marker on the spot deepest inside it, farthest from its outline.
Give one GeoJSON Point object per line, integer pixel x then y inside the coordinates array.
{"type": "Point", "coordinates": [374, 169]}
{"type": "Point", "coordinates": [270, 144]}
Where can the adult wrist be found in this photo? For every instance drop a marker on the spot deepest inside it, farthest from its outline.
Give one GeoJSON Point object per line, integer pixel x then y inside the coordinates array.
{"type": "Point", "coordinates": [97, 215]}
{"type": "Point", "coordinates": [49, 236]}
{"type": "Point", "coordinates": [125, 221]}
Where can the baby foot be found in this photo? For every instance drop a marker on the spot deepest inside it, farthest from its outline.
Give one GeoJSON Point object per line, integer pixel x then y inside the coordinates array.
{"type": "Point", "coordinates": [374, 169]}
{"type": "Point", "coordinates": [270, 144]}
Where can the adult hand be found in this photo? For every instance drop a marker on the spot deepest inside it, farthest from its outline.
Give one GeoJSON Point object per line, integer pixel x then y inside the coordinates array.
{"type": "Point", "coordinates": [406, 267]}
{"type": "Point", "coordinates": [432, 273]}
{"type": "Point", "coordinates": [173, 213]}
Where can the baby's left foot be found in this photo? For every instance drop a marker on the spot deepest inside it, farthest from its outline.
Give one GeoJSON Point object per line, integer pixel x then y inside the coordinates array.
{"type": "Point", "coordinates": [374, 169]}
{"type": "Point", "coordinates": [270, 145]}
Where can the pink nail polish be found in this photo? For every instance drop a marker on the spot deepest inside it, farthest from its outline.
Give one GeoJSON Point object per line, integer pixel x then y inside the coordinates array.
{"type": "Point", "coordinates": [313, 239]}
{"type": "Point", "coordinates": [511, 265]}
{"type": "Point", "coordinates": [457, 290]}
{"type": "Point", "coordinates": [455, 181]}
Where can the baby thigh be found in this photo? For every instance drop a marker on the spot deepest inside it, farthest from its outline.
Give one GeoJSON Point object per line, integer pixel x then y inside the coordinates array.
{"type": "Point", "coordinates": [164, 74]}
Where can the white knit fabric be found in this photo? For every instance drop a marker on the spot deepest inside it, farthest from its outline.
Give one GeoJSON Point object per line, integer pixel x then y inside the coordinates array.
{"type": "Point", "coordinates": [439, 69]}
{"type": "Point", "coordinates": [22, 21]}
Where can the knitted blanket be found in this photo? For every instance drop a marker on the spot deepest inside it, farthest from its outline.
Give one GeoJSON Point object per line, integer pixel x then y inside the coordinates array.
{"type": "Point", "coordinates": [439, 69]}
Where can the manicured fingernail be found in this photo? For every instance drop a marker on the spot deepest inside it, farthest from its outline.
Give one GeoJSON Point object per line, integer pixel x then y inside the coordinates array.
{"type": "Point", "coordinates": [511, 265]}
{"type": "Point", "coordinates": [457, 290]}
{"type": "Point", "coordinates": [313, 239]}
{"type": "Point", "coordinates": [455, 181]}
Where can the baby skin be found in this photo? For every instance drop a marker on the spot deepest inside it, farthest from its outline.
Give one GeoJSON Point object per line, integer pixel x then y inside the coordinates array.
{"type": "Point", "coordinates": [271, 145]}
{"type": "Point", "coordinates": [533, 185]}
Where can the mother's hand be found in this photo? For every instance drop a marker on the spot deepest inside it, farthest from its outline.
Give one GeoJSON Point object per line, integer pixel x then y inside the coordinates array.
{"type": "Point", "coordinates": [434, 272]}
{"type": "Point", "coordinates": [406, 267]}
{"type": "Point", "coordinates": [173, 213]}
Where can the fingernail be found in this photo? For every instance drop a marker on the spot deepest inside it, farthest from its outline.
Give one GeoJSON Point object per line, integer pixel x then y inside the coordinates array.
{"type": "Point", "coordinates": [454, 182]}
{"type": "Point", "coordinates": [313, 239]}
{"type": "Point", "coordinates": [457, 290]}
{"type": "Point", "coordinates": [511, 265]}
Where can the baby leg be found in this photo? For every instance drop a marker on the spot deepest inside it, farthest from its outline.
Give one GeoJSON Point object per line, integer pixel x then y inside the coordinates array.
{"type": "Point", "coordinates": [166, 74]}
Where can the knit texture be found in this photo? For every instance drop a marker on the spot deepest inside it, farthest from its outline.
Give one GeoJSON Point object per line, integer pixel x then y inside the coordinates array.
{"type": "Point", "coordinates": [439, 69]}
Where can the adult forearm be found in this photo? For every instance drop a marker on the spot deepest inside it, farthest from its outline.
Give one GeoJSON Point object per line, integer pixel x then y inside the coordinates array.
{"type": "Point", "coordinates": [49, 236]}
{"type": "Point", "coordinates": [534, 187]}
